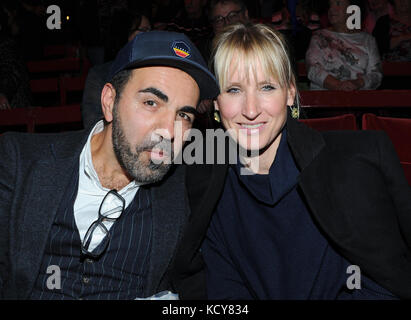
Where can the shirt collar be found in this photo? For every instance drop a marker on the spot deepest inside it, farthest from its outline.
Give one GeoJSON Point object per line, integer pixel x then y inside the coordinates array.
{"type": "Point", "coordinates": [89, 170]}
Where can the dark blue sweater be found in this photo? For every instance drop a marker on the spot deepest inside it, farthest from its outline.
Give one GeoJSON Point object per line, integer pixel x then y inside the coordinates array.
{"type": "Point", "coordinates": [262, 242]}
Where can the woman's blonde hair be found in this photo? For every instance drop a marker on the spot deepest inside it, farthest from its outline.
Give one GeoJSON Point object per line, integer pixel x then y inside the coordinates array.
{"type": "Point", "coordinates": [248, 43]}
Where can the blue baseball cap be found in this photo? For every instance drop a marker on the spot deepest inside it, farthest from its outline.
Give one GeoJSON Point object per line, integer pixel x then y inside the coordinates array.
{"type": "Point", "coordinates": [164, 48]}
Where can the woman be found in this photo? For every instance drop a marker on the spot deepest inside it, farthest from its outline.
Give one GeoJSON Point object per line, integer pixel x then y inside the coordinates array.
{"type": "Point", "coordinates": [375, 10]}
{"type": "Point", "coordinates": [393, 33]}
{"type": "Point", "coordinates": [340, 58]}
{"type": "Point", "coordinates": [317, 206]}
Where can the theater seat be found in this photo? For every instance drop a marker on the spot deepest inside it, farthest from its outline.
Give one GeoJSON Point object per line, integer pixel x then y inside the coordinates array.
{"type": "Point", "coordinates": [399, 131]}
{"type": "Point", "coordinates": [17, 117]}
{"type": "Point", "coordinates": [71, 85]}
{"type": "Point", "coordinates": [343, 122]}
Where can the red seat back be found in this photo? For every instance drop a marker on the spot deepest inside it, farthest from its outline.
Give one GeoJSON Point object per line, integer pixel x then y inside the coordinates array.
{"type": "Point", "coordinates": [344, 122]}
{"type": "Point", "coordinates": [399, 131]}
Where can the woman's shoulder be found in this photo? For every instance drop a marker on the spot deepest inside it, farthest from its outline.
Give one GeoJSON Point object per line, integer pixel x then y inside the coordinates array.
{"type": "Point", "coordinates": [357, 141]}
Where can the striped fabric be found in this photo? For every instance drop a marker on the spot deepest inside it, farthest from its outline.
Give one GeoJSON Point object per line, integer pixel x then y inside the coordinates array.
{"type": "Point", "coordinates": [118, 274]}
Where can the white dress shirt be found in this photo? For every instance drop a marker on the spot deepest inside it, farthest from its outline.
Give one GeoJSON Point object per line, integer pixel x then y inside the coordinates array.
{"type": "Point", "coordinates": [91, 192]}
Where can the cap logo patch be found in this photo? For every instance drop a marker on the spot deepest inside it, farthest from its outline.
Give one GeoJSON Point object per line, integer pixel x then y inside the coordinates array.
{"type": "Point", "coordinates": [181, 49]}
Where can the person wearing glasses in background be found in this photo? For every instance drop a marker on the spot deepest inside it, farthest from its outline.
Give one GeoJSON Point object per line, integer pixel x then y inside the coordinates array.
{"type": "Point", "coordinates": [98, 214]}
{"type": "Point", "coordinates": [220, 14]}
{"type": "Point", "coordinates": [124, 28]}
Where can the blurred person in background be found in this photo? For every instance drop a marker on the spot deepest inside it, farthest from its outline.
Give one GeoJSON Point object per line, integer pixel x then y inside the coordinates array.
{"type": "Point", "coordinates": [14, 79]}
{"type": "Point", "coordinates": [192, 21]}
{"type": "Point", "coordinates": [220, 14]}
{"type": "Point", "coordinates": [131, 25]}
{"type": "Point", "coordinates": [393, 33]}
{"type": "Point", "coordinates": [340, 58]}
{"type": "Point", "coordinates": [375, 10]}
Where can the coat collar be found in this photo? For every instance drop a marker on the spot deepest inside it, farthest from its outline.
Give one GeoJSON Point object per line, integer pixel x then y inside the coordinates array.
{"type": "Point", "coordinates": [304, 142]}
{"type": "Point", "coordinates": [169, 212]}
{"type": "Point", "coordinates": [47, 183]}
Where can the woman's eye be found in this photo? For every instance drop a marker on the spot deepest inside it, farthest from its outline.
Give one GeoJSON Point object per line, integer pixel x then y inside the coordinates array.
{"type": "Point", "coordinates": [233, 90]}
{"type": "Point", "coordinates": [268, 87]}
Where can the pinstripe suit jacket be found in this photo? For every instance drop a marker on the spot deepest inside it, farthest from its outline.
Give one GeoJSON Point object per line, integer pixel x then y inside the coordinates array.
{"type": "Point", "coordinates": [34, 175]}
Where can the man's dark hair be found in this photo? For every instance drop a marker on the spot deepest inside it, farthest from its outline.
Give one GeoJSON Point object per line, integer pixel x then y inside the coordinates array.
{"type": "Point", "coordinates": [119, 81]}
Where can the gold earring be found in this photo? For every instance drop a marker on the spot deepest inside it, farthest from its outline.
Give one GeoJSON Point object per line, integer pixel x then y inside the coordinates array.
{"type": "Point", "coordinates": [217, 116]}
{"type": "Point", "coordinates": [295, 112]}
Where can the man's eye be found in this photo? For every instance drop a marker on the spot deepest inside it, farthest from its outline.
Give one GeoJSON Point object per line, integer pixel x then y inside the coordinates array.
{"type": "Point", "coordinates": [185, 116]}
{"type": "Point", "coordinates": [150, 103]}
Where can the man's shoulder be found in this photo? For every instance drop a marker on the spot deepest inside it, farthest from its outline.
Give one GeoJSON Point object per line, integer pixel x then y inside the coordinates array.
{"type": "Point", "coordinates": [35, 144]}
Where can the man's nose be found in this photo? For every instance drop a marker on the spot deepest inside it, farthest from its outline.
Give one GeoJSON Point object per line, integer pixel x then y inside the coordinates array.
{"type": "Point", "coordinates": [167, 125]}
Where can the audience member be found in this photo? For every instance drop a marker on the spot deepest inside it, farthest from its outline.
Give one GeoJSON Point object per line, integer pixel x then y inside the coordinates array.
{"type": "Point", "coordinates": [14, 79]}
{"type": "Point", "coordinates": [393, 33]}
{"type": "Point", "coordinates": [307, 13]}
{"type": "Point", "coordinates": [292, 22]}
{"type": "Point", "coordinates": [375, 10]}
{"type": "Point", "coordinates": [164, 11]}
{"type": "Point", "coordinates": [220, 14]}
{"type": "Point", "coordinates": [281, 18]}
{"type": "Point", "coordinates": [132, 25]}
{"type": "Point", "coordinates": [89, 31]}
{"type": "Point", "coordinates": [339, 58]}
{"type": "Point", "coordinates": [192, 21]}
{"type": "Point", "coordinates": [124, 26]}
{"type": "Point", "coordinates": [225, 12]}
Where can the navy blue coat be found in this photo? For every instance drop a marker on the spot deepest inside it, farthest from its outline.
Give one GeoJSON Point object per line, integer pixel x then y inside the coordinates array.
{"type": "Point", "coordinates": [357, 194]}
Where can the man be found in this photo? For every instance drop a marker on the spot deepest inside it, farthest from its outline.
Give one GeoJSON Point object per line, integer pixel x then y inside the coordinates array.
{"type": "Point", "coordinates": [98, 214]}
{"type": "Point", "coordinates": [220, 14]}
{"type": "Point", "coordinates": [225, 12]}
{"type": "Point", "coordinates": [192, 21]}
{"type": "Point", "coordinates": [131, 25]}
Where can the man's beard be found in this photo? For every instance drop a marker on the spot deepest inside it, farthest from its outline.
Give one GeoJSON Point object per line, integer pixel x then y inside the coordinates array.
{"type": "Point", "coordinates": [141, 170]}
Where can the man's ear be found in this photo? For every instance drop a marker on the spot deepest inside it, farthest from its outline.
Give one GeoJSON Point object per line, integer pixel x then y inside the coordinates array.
{"type": "Point", "coordinates": [108, 95]}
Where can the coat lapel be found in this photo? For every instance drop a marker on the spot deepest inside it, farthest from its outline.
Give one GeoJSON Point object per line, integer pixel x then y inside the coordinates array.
{"type": "Point", "coordinates": [46, 186]}
{"type": "Point", "coordinates": [315, 185]}
{"type": "Point", "coordinates": [169, 212]}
